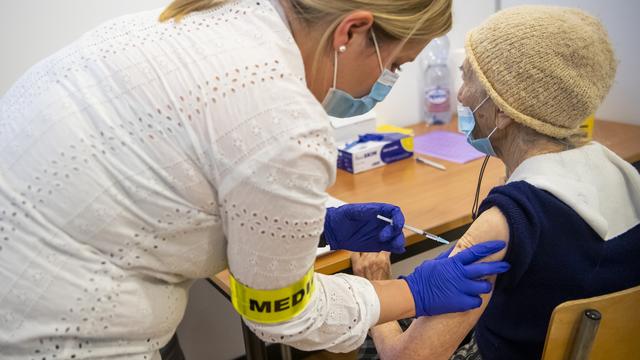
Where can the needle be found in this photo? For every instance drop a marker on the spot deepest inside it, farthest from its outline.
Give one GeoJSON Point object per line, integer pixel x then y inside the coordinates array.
{"type": "Point", "coordinates": [417, 231]}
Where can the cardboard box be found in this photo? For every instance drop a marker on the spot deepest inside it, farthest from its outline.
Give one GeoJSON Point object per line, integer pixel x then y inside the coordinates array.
{"type": "Point", "coordinates": [371, 151]}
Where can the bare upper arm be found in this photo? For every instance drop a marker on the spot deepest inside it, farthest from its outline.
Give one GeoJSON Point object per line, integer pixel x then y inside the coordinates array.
{"type": "Point", "coordinates": [490, 225]}
{"type": "Point", "coordinates": [436, 337]}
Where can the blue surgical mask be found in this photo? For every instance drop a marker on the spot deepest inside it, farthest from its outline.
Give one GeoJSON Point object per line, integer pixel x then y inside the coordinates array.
{"type": "Point", "coordinates": [340, 104]}
{"type": "Point", "coordinates": [466, 124]}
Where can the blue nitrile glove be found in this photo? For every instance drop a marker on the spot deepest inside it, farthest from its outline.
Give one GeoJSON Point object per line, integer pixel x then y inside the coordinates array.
{"type": "Point", "coordinates": [356, 227]}
{"type": "Point", "coordinates": [448, 284]}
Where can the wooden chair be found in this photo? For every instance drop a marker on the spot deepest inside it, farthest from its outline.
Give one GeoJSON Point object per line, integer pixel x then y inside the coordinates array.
{"type": "Point", "coordinates": [601, 327]}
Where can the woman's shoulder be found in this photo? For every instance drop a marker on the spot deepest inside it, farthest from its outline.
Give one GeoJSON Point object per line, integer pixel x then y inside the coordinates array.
{"type": "Point", "coordinates": [253, 29]}
{"type": "Point", "coordinates": [522, 205]}
{"type": "Point", "coordinates": [521, 192]}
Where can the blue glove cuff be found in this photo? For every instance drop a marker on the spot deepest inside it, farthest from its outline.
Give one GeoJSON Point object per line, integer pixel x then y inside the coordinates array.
{"type": "Point", "coordinates": [415, 293]}
{"type": "Point", "coordinates": [328, 234]}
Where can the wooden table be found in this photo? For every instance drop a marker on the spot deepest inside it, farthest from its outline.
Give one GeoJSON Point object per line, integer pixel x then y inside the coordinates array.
{"type": "Point", "coordinates": [435, 200]}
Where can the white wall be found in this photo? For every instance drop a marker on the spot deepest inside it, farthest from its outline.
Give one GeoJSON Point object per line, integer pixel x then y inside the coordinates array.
{"type": "Point", "coordinates": [33, 29]}
{"type": "Point", "coordinates": [404, 104]}
{"type": "Point", "coordinates": [30, 30]}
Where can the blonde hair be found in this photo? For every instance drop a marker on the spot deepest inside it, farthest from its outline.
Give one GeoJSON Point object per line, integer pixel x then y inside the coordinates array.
{"type": "Point", "coordinates": [404, 20]}
{"type": "Point", "coordinates": [181, 8]}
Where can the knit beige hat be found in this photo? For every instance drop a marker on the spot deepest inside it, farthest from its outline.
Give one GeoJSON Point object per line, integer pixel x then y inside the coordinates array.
{"type": "Point", "coordinates": [546, 67]}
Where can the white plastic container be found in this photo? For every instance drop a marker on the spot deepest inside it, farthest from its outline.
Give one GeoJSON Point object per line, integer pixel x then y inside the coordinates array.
{"type": "Point", "coordinates": [348, 129]}
{"type": "Point", "coordinates": [437, 92]}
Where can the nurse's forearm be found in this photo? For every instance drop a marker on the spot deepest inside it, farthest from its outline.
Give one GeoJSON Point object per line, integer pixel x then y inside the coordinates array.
{"type": "Point", "coordinates": [396, 301]}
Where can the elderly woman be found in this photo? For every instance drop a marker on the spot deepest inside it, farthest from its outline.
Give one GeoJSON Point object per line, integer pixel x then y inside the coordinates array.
{"type": "Point", "coordinates": [570, 211]}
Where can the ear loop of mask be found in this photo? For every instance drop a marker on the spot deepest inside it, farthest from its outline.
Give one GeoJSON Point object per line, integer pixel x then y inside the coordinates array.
{"type": "Point", "coordinates": [375, 43]}
{"type": "Point", "coordinates": [335, 64]}
{"type": "Point", "coordinates": [335, 68]}
{"type": "Point", "coordinates": [481, 103]}
{"type": "Point", "coordinates": [335, 59]}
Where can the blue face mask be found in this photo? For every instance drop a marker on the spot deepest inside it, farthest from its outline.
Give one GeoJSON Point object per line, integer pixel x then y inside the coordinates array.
{"type": "Point", "coordinates": [340, 104]}
{"type": "Point", "coordinates": [466, 124]}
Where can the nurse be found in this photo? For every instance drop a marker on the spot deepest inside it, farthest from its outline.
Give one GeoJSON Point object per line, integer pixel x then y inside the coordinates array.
{"type": "Point", "coordinates": [148, 154]}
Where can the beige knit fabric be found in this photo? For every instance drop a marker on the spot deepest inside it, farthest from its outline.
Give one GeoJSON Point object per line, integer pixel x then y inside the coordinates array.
{"type": "Point", "coordinates": [547, 67]}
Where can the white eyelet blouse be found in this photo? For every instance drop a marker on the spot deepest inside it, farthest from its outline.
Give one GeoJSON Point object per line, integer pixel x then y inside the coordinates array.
{"type": "Point", "coordinates": [146, 155]}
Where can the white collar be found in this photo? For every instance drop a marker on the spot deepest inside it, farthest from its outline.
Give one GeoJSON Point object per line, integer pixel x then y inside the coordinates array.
{"type": "Point", "coordinates": [280, 10]}
{"type": "Point", "coordinates": [602, 188]}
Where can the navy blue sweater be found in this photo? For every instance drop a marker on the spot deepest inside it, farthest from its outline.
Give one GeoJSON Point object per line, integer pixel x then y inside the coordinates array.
{"type": "Point", "coordinates": [555, 256]}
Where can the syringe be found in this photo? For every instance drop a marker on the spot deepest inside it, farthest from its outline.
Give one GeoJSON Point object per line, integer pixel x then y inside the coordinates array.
{"type": "Point", "coordinates": [417, 231]}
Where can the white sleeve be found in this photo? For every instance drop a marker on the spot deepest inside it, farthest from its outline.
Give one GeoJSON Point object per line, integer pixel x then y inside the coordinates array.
{"type": "Point", "coordinates": [273, 208]}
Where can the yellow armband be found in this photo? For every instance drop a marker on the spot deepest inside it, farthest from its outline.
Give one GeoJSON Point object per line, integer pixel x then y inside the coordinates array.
{"type": "Point", "coordinates": [272, 306]}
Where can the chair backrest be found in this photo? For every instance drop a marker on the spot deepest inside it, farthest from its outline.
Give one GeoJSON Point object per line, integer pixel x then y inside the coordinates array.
{"type": "Point", "coordinates": [618, 333]}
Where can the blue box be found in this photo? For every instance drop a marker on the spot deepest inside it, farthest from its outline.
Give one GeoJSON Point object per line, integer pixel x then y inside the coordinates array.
{"type": "Point", "coordinates": [371, 151]}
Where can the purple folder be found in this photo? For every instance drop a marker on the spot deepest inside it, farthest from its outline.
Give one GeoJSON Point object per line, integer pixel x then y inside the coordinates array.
{"type": "Point", "coordinates": [446, 145]}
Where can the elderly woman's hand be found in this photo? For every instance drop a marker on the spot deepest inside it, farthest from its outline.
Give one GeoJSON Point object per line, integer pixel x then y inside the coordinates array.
{"type": "Point", "coordinates": [373, 266]}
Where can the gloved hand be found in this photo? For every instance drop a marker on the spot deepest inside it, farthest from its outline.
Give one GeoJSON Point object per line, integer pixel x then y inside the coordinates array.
{"type": "Point", "coordinates": [448, 284]}
{"type": "Point", "coordinates": [355, 227]}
